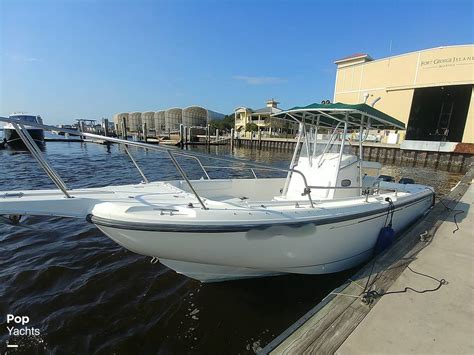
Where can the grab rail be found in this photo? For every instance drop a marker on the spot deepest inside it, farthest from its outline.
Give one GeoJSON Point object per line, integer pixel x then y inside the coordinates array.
{"type": "Point", "coordinates": [145, 180]}
{"type": "Point", "coordinates": [200, 164]}
{"type": "Point", "coordinates": [367, 189]}
{"type": "Point", "coordinates": [306, 191]}
{"type": "Point", "coordinates": [33, 148]}
{"type": "Point", "coordinates": [183, 174]}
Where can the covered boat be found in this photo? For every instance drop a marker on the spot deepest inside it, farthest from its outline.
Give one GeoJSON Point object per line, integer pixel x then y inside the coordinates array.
{"type": "Point", "coordinates": [323, 217]}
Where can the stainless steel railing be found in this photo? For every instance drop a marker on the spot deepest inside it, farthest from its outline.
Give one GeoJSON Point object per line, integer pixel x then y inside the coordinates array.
{"type": "Point", "coordinates": [172, 152]}
{"type": "Point", "coordinates": [35, 151]}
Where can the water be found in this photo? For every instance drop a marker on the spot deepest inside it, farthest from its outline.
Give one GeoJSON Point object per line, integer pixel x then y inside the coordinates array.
{"type": "Point", "coordinates": [87, 294]}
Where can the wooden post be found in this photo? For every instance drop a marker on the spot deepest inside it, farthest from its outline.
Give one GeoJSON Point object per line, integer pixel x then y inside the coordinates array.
{"type": "Point", "coordinates": [81, 128]}
{"type": "Point", "coordinates": [106, 126]}
{"type": "Point", "coordinates": [232, 138]}
{"type": "Point", "coordinates": [124, 128]}
{"type": "Point", "coordinates": [181, 133]}
{"type": "Point", "coordinates": [208, 136]}
{"type": "Point", "coordinates": [144, 131]}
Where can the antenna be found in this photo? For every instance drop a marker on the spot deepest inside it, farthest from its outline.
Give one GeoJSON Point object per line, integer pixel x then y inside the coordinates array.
{"type": "Point", "coordinates": [366, 96]}
{"type": "Point", "coordinates": [375, 101]}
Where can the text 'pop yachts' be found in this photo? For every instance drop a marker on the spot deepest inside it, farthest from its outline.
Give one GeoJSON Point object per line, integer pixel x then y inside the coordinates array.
{"type": "Point", "coordinates": [17, 325]}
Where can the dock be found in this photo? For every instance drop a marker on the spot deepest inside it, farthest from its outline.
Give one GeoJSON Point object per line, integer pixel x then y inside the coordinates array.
{"type": "Point", "coordinates": [434, 257]}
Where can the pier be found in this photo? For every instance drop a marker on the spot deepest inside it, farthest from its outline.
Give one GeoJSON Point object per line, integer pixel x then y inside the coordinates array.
{"type": "Point", "coordinates": [433, 257]}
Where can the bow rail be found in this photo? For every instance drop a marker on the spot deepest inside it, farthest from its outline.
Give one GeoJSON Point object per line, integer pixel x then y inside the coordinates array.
{"type": "Point", "coordinates": [19, 126]}
{"type": "Point", "coordinates": [172, 152]}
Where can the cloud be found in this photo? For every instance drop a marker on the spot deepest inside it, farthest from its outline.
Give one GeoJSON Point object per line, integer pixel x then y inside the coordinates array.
{"type": "Point", "coordinates": [259, 80]}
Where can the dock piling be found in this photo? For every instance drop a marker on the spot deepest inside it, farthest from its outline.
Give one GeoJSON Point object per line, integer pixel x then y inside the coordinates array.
{"type": "Point", "coordinates": [105, 122]}
{"type": "Point", "coordinates": [144, 131]}
{"type": "Point", "coordinates": [124, 128]}
{"type": "Point", "coordinates": [181, 135]}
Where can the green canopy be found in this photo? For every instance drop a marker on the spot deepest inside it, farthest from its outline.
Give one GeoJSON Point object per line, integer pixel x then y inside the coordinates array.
{"type": "Point", "coordinates": [331, 114]}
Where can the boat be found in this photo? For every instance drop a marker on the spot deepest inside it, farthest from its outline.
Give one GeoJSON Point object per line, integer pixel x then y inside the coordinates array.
{"type": "Point", "coordinates": [11, 136]}
{"type": "Point", "coordinates": [323, 214]}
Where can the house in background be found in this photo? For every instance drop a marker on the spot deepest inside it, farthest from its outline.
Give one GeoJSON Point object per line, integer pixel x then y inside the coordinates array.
{"type": "Point", "coordinates": [262, 121]}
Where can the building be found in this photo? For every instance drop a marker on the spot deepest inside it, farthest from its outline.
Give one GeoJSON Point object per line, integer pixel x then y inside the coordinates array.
{"type": "Point", "coordinates": [262, 119]}
{"type": "Point", "coordinates": [173, 118]}
{"type": "Point", "coordinates": [430, 90]}
{"type": "Point", "coordinates": [148, 118]}
{"type": "Point", "coordinates": [194, 116]}
{"type": "Point", "coordinates": [160, 121]}
{"type": "Point", "coordinates": [134, 123]}
{"type": "Point", "coordinates": [118, 119]}
{"type": "Point", "coordinates": [166, 121]}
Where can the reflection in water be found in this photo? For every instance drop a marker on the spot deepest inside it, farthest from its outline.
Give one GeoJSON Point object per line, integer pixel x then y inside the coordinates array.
{"type": "Point", "coordinates": [87, 293]}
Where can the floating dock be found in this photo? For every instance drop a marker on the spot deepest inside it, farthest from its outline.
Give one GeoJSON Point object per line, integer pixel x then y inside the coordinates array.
{"type": "Point", "coordinates": [439, 318]}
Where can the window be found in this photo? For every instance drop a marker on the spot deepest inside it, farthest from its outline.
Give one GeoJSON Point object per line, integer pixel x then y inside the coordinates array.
{"type": "Point", "coordinates": [346, 183]}
{"type": "Point", "coordinates": [26, 118]}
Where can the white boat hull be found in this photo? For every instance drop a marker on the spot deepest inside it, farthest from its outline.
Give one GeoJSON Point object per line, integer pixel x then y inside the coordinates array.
{"type": "Point", "coordinates": [310, 248]}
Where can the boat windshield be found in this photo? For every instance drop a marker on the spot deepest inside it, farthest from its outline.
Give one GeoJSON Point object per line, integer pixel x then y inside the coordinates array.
{"type": "Point", "coordinates": [26, 118]}
{"type": "Point", "coordinates": [317, 142]}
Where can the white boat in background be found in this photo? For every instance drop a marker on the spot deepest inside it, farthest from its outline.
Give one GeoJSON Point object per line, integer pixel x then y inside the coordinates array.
{"type": "Point", "coordinates": [11, 136]}
{"type": "Point", "coordinates": [323, 217]}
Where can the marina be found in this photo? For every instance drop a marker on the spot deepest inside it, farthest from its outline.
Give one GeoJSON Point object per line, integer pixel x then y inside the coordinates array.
{"type": "Point", "coordinates": [67, 294]}
{"type": "Point", "coordinates": [247, 228]}
{"type": "Point", "coordinates": [458, 160]}
{"type": "Point", "coordinates": [339, 290]}
{"type": "Point", "coordinates": [195, 177]}
{"type": "Point", "coordinates": [211, 176]}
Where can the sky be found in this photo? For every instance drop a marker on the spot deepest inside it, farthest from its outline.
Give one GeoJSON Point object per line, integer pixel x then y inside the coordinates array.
{"type": "Point", "coordinates": [73, 59]}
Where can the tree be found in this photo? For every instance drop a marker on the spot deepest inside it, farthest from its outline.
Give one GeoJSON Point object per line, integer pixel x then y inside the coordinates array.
{"type": "Point", "coordinates": [251, 127]}
{"type": "Point", "coordinates": [225, 124]}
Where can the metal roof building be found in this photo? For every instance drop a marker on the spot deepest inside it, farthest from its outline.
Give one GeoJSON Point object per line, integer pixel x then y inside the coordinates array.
{"type": "Point", "coordinates": [165, 121]}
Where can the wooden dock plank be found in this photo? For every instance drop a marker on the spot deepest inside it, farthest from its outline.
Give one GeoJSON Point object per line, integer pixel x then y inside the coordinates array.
{"type": "Point", "coordinates": [325, 344]}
